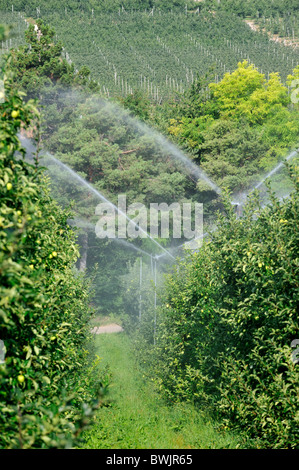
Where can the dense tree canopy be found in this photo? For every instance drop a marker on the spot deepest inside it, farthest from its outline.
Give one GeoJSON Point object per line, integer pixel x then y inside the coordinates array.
{"type": "Point", "coordinates": [89, 5]}
{"type": "Point", "coordinates": [39, 64]}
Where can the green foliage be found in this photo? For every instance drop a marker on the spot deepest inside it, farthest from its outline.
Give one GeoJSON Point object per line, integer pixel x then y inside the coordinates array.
{"type": "Point", "coordinates": [279, 17]}
{"type": "Point", "coordinates": [230, 152]}
{"type": "Point", "coordinates": [106, 146]}
{"type": "Point", "coordinates": [245, 92]}
{"type": "Point", "coordinates": [228, 320]}
{"type": "Point", "coordinates": [282, 26]}
{"type": "Point", "coordinates": [229, 313]}
{"type": "Point", "coordinates": [89, 5]}
{"type": "Point", "coordinates": [47, 389]}
{"type": "Point", "coordinates": [4, 32]}
{"type": "Point", "coordinates": [38, 65]}
{"type": "Point", "coordinates": [162, 54]}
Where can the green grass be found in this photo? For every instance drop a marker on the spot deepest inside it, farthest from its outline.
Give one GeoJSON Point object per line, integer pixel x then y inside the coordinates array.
{"type": "Point", "coordinates": [137, 417]}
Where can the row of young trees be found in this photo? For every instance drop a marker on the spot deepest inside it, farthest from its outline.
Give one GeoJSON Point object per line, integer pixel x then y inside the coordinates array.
{"type": "Point", "coordinates": [255, 8]}
{"type": "Point", "coordinates": [166, 52]}
{"type": "Point", "coordinates": [228, 325]}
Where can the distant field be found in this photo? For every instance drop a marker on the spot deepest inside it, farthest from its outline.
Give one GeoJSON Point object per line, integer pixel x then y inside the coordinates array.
{"type": "Point", "coordinates": [162, 53]}
{"type": "Point", "coordinates": [284, 28]}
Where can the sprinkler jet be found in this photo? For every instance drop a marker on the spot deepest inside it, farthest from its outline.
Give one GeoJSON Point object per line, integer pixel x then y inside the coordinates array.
{"type": "Point", "coordinates": [238, 208]}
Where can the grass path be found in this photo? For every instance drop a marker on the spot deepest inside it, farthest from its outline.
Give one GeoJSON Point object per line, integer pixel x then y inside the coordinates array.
{"type": "Point", "coordinates": [137, 417]}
